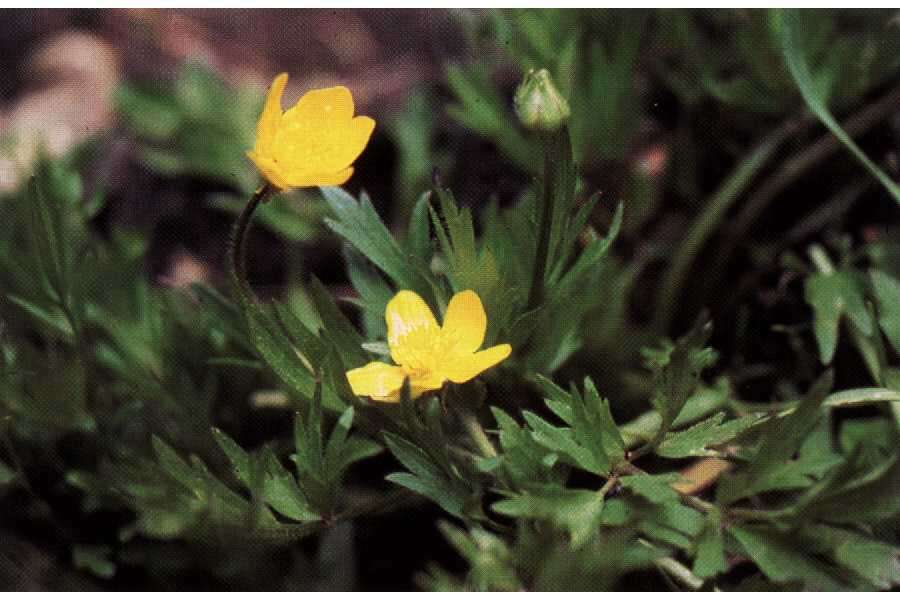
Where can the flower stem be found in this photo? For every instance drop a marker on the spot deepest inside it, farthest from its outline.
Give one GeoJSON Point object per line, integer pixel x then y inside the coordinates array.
{"type": "Point", "coordinates": [554, 143]}
{"type": "Point", "coordinates": [535, 294]}
{"type": "Point", "coordinates": [237, 245]}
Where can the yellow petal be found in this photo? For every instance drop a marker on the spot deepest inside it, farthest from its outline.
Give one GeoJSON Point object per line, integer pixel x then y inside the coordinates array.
{"type": "Point", "coordinates": [412, 332]}
{"type": "Point", "coordinates": [424, 381]}
{"type": "Point", "coordinates": [377, 380]}
{"type": "Point", "coordinates": [269, 169]}
{"type": "Point", "coordinates": [326, 104]}
{"type": "Point", "coordinates": [463, 368]}
{"type": "Point", "coordinates": [320, 146]}
{"type": "Point", "coordinates": [353, 138]}
{"type": "Point", "coordinates": [270, 118]}
{"type": "Point", "coordinates": [301, 179]}
{"type": "Point", "coordinates": [464, 324]}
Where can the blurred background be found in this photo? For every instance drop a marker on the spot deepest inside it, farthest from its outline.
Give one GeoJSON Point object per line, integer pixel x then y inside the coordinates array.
{"type": "Point", "coordinates": [689, 118]}
{"type": "Point", "coordinates": [74, 75]}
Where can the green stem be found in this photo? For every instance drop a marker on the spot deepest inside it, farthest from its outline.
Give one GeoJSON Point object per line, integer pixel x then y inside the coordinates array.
{"type": "Point", "coordinates": [536, 293]}
{"type": "Point", "coordinates": [609, 485]}
{"type": "Point", "coordinates": [708, 221]}
{"type": "Point", "coordinates": [237, 245]}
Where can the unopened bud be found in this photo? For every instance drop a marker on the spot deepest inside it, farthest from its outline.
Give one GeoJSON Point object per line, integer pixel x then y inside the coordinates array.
{"type": "Point", "coordinates": [539, 104]}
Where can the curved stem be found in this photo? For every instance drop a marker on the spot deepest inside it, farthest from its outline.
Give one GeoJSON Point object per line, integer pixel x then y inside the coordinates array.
{"type": "Point", "coordinates": [237, 245]}
{"type": "Point", "coordinates": [709, 220]}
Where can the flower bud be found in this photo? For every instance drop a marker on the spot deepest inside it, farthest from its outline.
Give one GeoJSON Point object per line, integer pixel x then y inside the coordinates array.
{"type": "Point", "coordinates": [539, 104]}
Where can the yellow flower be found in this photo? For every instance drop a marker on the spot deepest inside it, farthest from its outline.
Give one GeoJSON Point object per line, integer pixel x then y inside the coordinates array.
{"type": "Point", "coordinates": [314, 143]}
{"type": "Point", "coordinates": [428, 354]}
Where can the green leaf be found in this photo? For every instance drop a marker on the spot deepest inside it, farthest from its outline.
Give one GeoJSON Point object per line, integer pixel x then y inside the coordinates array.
{"type": "Point", "coordinates": [183, 129]}
{"type": "Point", "coordinates": [337, 328]}
{"type": "Point", "coordinates": [342, 449]}
{"type": "Point", "coordinates": [874, 495]}
{"type": "Point", "coordinates": [590, 257]}
{"type": "Point", "coordinates": [676, 372]}
{"type": "Point", "coordinates": [876, 561]}
{"type": "Point", "coordinates": [277, 351]}
{"type": "Point", "coordinates": [786, 24]}
{"type": "Point", "coordinates": [709, 560]}
{"type": "Point", "coordinates": [695, 440]}
{"type": "Point", "coordinates": [360, 225]}
{"type": "Point", "coordinates": [308, 439]}
{"type": "Point", "coordinates": [433, 489]}
{"type": "Point", "coordinates": [175, 467]}
{"type": "Point", "coordinates": [672, 523]}
{"type": "Point", "coordinates": [598, 423]}
{"type": "Point", "coordinates": [427, 478]}
{"type": "Point", "coordinates": [418, 241]}
{"type": "Point", "coordinates": [781, 559]}
{"type": "Point", "coordinates": [577, 511]}
{"type": "Point", "coordinates": [335, 445]}
{"type": "Point", "coordinates": [832, 296]}
{"type": "Point", "coordinates": [478, 97]}
{"type": "Point", "coordinates": [311, 349]}
{"type": "Point", "coordinates": [227, 314]}
{"type": "Point", "coordinates": [457, 239]}
{"type": "Point", "coordinates": [557, 399]}
{"type": "Point", "coordinates": [47, 233]}
{"type": "Point", "coordinates": [413, 458]}
{"type": "Point", "coordinates": [279, 490]}
{"type": "Point", "coordinates": [488, 555]}
{"type": "Point", "coordinates": [704, 401]}
{"type": "Point", "coordinates": [562, 441]}
{"type": "Point", "coordinates": [240, 460]}
{"type": "Point", "coordinates": [560, 179]}
{"type": "Point", "coordinates": [374, 292]}
{"type": "Point", "coordinates": [655, 488]}
{"type": "Point", "coordinates": [593, 431]}
{"type": "Point", "coordinates": [887, 295]}
{"type": "Point", "coordinates": [781, 439]}
{"type": "Point", "coordinates": [523, 459]}
{"type": "Point", "coordinates": [47, 318]}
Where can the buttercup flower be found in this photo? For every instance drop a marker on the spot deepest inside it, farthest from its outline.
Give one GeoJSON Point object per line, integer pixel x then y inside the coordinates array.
{"type": "Point", "coordinates": [314, 143]}
{"type": "Point", "coordinates": [427, 353]}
